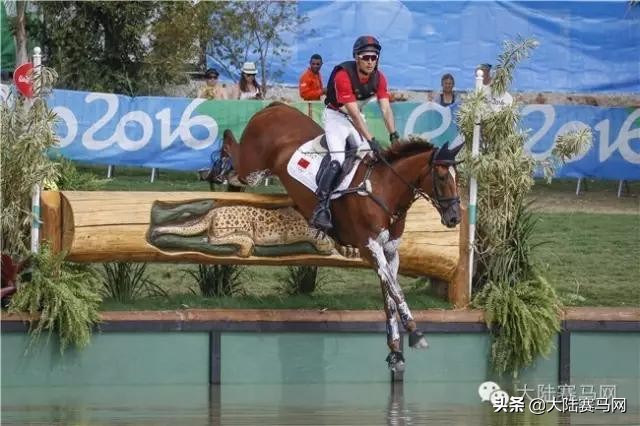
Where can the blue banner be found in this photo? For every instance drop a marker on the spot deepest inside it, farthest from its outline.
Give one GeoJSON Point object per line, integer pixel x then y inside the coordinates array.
{"type": "Point", "coordinates": [585, 46]}
{"type": "Point", "coordinates": [183, 134]}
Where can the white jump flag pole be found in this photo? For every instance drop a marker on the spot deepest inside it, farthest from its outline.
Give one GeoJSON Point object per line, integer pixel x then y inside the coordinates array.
{"type": "Point", "coordinates": [473, 185]}
{"type": "Point", "coordinates": [35, 198]}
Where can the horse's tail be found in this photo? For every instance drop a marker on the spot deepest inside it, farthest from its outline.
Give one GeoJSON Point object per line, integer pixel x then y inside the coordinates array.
{"type": "Point", "coordinates": [192, 227]}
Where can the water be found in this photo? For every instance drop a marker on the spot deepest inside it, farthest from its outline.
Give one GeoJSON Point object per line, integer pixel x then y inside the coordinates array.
{"type": "Point", "coordinates": [288, 404]}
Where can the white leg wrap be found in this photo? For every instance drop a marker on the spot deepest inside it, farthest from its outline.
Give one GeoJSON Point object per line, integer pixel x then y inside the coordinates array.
{"type": "Point", "coordinates": [393, 333]}
{"type": "Point", "coordinates": [385, 252]}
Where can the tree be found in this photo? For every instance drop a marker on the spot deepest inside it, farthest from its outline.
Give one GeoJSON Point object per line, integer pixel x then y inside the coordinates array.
{"type": "Point", "coordinates": [137, 48]}
{"type": "Point", "coordinates": [21, 33]}
{"type": "Point", "coordinates": [241, 30]}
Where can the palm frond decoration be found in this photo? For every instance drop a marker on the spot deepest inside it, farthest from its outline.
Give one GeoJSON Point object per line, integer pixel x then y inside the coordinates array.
{"type": "Point", "coordinates": [521, 307]}
{"type": "Point", "coordinates": [514, 52]}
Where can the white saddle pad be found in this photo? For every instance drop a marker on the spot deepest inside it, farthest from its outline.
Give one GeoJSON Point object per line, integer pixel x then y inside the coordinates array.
{"type": "Point", "coordinates": [304, 164]}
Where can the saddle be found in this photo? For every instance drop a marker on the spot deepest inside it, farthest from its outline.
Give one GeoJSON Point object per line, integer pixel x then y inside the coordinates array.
{"type": "Point", "coordinates": [309, 161]}
{"type": "Point", "coordinates": [351, 156]}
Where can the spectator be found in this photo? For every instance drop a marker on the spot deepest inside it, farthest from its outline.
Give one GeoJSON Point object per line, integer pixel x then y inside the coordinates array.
{"type": "Point", "coordinates": [212, 89]}
{"type": "Point", "coordinates": [486, 71]}
{"type": "Point", "coordinates": [447, 97]}
{"type": "Point", "coordinates": [310, 85]}
{"type": "Point", "coordinates": [247, 87]}
{"type": "Point", "coordinates": [497, 102]}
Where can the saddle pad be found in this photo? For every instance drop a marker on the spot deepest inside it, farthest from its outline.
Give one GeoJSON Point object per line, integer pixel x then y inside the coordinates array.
{"type": "Point", "coordinates": [304, 164]}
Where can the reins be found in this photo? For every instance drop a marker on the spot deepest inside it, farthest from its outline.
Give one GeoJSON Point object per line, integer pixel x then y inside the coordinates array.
{"type": "Point", "coordinates": [365, 188]}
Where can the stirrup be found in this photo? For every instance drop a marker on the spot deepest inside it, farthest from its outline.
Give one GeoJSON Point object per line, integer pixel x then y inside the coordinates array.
{"type": "Point", "coordinates": [318, 221]}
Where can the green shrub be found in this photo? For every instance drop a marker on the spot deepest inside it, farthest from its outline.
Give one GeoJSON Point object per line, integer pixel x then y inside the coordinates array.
{"type": "Point", "coordinates": [64, 294]}
{"type": "Point", "coordinates": [218, 280]}
{"type": "Point", "coordinates": [524, 318]}
{"type": "Point", "coordinates": [72, 179]}
{"type": "Point", "coordinates": [26, 133]}
{"type": "Point", "coordinates": [301, 280]}
{"type": "Point", "coordinates": [125, 282]}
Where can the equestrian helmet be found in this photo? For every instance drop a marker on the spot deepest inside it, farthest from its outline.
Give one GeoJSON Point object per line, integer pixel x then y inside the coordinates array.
{"type": "Point", "coordinates": [366, 43]}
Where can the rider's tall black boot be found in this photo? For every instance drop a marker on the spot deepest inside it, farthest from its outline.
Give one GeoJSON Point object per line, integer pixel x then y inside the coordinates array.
{"type": "Point", "coordinates": [321, 217]}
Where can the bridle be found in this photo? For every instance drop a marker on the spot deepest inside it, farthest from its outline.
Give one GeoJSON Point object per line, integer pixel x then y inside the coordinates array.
{"type": "Point", "coordinates": [442, 204]}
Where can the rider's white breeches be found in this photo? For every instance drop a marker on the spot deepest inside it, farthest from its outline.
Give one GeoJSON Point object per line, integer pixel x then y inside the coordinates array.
{"type": "Point", "coordinates": [337, 127]}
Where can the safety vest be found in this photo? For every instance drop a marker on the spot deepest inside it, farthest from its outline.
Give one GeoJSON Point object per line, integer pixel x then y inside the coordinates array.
{"type": "Point", "coordinates": [362, 91]}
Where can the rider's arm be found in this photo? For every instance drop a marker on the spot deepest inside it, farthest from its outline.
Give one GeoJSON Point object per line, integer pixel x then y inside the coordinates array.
{"type": "Point", "coordinates": [383, 100]}
{"type": "Point", "coordinates": [356, 119]}
{"type": "Point", "coordinates": [387, 114]}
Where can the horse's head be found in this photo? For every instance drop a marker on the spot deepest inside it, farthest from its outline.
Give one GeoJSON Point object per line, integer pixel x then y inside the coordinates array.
{"type": "Point", "coordinates": [441, 185]}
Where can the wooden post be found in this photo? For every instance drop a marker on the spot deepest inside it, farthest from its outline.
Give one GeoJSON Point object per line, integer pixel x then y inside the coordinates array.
{"type": "Point", "coordinates": [459, 293]}
{"type": "Point", "coordinates": [51, 211]}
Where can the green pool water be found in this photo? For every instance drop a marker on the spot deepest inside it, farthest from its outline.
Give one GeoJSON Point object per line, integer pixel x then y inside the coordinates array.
{"type": "Point", "coordinates": [286, 404]}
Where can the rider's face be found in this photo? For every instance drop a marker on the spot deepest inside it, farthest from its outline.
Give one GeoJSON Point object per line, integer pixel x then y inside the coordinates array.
{"type": "Point", "coordinates": [367, 62]}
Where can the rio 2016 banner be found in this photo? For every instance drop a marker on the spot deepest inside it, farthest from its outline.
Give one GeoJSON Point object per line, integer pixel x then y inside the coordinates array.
{"type": "Point", "coordinates": [185, 134]}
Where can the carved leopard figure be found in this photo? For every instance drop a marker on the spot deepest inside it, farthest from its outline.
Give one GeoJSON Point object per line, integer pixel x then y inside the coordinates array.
{"type": "Point", "coordinates": [248, 226]}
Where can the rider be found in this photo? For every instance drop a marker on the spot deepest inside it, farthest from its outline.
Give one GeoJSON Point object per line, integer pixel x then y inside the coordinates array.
{"type": "Point", "coordinates": [350, 86]}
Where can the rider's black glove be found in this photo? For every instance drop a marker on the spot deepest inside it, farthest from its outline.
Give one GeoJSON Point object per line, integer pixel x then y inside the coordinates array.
{"type": "Point", "coordinates": [394, 137]}
{"type": "Point", "coordinates": [375, 146]}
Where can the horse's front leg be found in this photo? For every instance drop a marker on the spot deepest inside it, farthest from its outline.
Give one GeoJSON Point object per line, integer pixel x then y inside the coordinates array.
{"type": "Point", "coordinates": [395, 359]}
{"type": "Point", "coordinates": [385, 253]}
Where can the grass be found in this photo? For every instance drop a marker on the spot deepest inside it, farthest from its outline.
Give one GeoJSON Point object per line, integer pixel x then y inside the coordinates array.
{"type": "Point", "coordinates": [592, 259]}
{"type": "Point", "coordinates": [591, 252]}
{"type": "Point", "coordinates": [340, 288]}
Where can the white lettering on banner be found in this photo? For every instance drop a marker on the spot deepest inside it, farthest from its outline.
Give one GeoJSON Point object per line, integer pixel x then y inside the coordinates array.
{"type": "Point", "coordinates": [622, 142]}
{"type": "Point", "coordinates": [573, 126]}
{"type": "Point", "coordinates": [66, 115]}
{"type": "Point", "coordinates": [549, 114]}
{"type": "Point", "coordinates": [444, 112]}
{"type": "Point", "coordinates": [141, 118]}
{"type": "Point", "coordinates": [167, 137]}
{"type": "Point", "coordinates": [112, 107]}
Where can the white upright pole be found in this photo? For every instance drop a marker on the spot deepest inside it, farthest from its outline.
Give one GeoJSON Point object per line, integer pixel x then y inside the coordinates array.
{"type": "Point", "coordinates": [473, 186]}
{"type": "Point", "coordinates": [35, 198]}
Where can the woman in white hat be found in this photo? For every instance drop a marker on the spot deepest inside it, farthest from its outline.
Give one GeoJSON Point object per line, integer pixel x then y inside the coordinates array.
{"type": "Point", "coordinates": [247, 87]}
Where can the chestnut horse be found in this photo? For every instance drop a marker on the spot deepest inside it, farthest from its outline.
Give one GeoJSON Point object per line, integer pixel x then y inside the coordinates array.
{"type": "Point", "coordinates": [373, 223]}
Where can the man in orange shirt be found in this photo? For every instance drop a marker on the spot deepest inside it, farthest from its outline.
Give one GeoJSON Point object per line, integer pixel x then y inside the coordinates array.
{"type": "Point", "coordinates": [311, 82]}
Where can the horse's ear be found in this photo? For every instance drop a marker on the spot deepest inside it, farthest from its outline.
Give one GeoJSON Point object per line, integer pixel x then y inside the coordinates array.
{"type": "Point", "coordinates": [457, 149]}
{"type": "Point", "coordinates": [443, 154]}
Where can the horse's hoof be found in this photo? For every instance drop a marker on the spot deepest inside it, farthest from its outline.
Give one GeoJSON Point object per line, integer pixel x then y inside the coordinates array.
{"type": "Point", "coordinates": [417, 340]}
{"type": "Point", "coordinates": [395, 361]}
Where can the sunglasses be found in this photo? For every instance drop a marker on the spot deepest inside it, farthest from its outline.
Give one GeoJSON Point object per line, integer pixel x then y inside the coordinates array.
{"type": "Point", "coordinates": [370, 58]}
{"type": "Point", "coordinates": [212, 77]}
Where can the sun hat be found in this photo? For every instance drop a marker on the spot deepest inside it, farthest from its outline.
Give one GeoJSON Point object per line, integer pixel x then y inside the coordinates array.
{"type": "Point", "coordinates": [249, 68]}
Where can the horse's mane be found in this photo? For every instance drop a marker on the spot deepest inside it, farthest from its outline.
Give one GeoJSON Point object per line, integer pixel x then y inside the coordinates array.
{"type": "Point", "coordinates": [276, 103]}
{"type": "Point", "coordinates": [406, 149]}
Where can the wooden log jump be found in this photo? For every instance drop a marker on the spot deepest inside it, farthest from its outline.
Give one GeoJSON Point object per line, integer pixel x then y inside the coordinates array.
{"type": "Point", "coordinates": [98, 226]}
